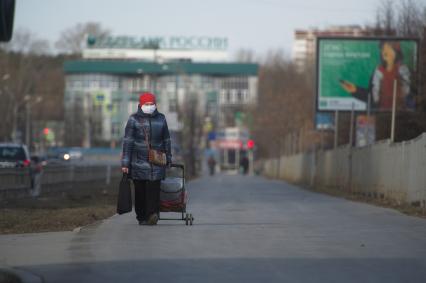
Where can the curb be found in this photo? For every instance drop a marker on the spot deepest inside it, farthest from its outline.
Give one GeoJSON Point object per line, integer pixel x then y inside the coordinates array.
{"type": "Point", "coordinates": [96, 223]}
{"type": "Point", "coordinates": [18, 276]}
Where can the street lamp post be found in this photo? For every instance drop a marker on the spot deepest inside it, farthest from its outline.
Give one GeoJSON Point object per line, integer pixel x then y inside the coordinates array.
{"type": "Point", "coordinates": [28, 106]}
{"type": "Point", "coordinates": [87, 121]}
{"type": "Point", "coordinates": [15, 116]}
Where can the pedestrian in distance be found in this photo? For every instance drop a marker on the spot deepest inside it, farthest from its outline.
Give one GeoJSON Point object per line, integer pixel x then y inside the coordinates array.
{"type": "Point", "coordinates": [211, 162]}
{"type": "Point", "coordinates": [146, 154]}
{"type": "Point", "coordinates": [244, 163]}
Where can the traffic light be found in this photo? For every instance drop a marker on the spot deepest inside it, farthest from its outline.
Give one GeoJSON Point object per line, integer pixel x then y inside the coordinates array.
{"type": "Point", "coordinates": [48, 135]}
{"type": "Point", "coordinates": [250, 144]}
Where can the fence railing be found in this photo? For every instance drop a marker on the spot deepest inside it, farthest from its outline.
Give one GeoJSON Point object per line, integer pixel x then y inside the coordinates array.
{"type": "Point", "coordinates": [21, 182]}
{"type": "Point", "coordinates": [395, 171]}
{"type": "Point", "coordinates": [14, 178]}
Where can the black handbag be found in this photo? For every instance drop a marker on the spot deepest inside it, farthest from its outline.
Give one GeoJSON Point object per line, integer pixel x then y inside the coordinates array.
{"type": "Point", "coordinates": [124, 201]}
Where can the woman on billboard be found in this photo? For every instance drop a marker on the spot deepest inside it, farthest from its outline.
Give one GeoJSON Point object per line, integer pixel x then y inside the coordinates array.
{"type": "Point", "coordinates": [390, 68]}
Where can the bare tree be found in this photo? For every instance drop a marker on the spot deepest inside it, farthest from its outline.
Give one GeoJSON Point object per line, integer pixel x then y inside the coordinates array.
{"type": "Point", "coordinates": [410, 20]}
{"type": "Point", "coordinates": [245, 56]}
{"type": "Point", "coordinates": [29, 78]}
{"type": "Point", "coordinates": [23, 67]}
{"type": "Point", "coordinates": [286, 106]}
{"type": "Point", "coordinates": [403, 18]}
{"type": "Point", "coordinates": [25, 41]}
{"type": "Point", "coordinates": [385, 18]}
{"type": "Point", "coordinates": [72, 40]}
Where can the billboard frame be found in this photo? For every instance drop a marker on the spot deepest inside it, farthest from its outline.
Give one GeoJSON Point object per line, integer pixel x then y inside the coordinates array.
{"type": "Point", "coordinates": [361, 38]}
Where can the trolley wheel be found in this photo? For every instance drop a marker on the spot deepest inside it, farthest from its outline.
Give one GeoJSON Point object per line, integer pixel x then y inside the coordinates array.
{"type": "Point", "coordinates": [186, 219]}
{"type": "Point", "coordinates": [191, 219]}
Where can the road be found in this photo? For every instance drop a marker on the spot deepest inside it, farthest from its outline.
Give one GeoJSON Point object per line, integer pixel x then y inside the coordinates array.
{"type": "Point", "coordinates": [247, 229]}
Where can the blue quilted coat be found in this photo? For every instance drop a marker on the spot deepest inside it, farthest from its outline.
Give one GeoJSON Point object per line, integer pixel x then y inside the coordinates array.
{"type": "Point", "coordinates": [135, 148]}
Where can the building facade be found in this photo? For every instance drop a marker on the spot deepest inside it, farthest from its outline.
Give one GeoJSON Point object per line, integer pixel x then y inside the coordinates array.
{"type": "Point", "coordinates": [304, 45]}
{"type": "Point", "coordinates": [100, 94]}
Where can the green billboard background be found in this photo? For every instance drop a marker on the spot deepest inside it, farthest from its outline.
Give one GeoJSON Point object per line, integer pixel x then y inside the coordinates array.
{"type": "Point", "coordinates": [353, 60]}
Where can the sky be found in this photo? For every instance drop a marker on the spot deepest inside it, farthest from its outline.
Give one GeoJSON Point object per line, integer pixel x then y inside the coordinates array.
{"type": "Point", "coordinates": [258, 25]}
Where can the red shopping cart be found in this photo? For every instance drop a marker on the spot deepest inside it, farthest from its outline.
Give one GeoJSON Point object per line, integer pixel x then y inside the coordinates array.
{"type": "Point", "coordinates": [173, 195]}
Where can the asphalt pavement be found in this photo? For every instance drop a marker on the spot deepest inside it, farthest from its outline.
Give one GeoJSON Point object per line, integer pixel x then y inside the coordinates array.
{"type": "Point", "coordinates": [246, 229]}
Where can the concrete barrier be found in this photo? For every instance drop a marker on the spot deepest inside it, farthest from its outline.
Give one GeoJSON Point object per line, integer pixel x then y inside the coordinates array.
{"type": "Point", "coordinates": [395, 171]}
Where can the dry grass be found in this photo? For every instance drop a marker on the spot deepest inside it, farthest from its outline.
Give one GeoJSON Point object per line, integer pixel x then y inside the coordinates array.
{"type": "Point", "coordinates": [7, 277]}
{"type": "Point", "coordinates": [55, 213]}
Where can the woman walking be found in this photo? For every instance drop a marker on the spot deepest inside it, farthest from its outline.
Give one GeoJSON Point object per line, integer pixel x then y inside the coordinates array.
{"type": "Point", "coordinates": [146, 153]}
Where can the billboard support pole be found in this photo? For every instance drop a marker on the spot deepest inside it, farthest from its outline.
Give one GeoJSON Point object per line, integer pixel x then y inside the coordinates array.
{"type": "Point", "coordinates": [351, 137]}
{"type": "Point", "coordinates": [368, 116]}
{"type": "Point", "coordinates": [336, 127]}
{"type": "Point", "coordinates": [351, 128]}
{"type": "Point", "coordinates": [392, 138]}
{"type": "Point", "coordinates": [369, 104]}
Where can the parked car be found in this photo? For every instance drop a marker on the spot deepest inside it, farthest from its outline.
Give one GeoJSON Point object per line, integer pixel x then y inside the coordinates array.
{"type": "Point", "coordinates": [14, 155]}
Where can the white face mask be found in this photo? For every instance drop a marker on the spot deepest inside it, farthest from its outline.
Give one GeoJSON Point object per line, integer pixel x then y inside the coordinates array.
{"type": "Point", "coordinates": [148, 109]}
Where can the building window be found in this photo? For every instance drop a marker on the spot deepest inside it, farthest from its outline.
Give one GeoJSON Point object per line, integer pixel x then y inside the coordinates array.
{"type": "Point", "coordinates": [115, 129]}
{"type": "Point", "coordinates": [134, 85]}
{"type": "Point", "coordinates": [240, 97]}
{"type": "Point", "coordinates": [245, 95]}
{"type": "Point", "coordinates": [222, 96]}
{"type": "Point", "coordinates": [228, 98]}
{"type": "Point", "coordinates": [234, 96]}
{"type": "Point", "coordinates": [171, 86]}
{"type": "Point", "coordinates": [172, 105]}
{"type": "Point", "coordinates": [94, 84]}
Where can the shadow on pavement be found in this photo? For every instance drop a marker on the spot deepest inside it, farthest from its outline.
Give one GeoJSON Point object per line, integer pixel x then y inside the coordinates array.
{"type": "Point", "coordinates": [240, 270]}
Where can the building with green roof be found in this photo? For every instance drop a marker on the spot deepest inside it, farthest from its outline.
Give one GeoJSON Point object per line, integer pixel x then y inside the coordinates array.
{"type": "Point", "coordinates": [100, 94]}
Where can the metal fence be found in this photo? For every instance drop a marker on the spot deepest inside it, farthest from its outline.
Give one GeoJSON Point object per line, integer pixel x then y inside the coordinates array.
{"type": "Point", "coordinates": [395, 171]}
{"type": "Point", "coordinates": [58, 178]}
{"type": "Point", "coordinates": [14, 178]}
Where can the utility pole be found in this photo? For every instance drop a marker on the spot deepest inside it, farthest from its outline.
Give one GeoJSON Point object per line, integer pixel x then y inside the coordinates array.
{"type": "Point", "coordinates": [392, 138]}
{"type": "Point", "coordinates": [87, 121]}
{"type": "Point", "coordinates": [27, 124]}
{"type": "Point", "coordinates": [28, 139]}
{"type": "Point", "coordinates": [336, 128]}
{"type": "Point", "coordinates": [351, 128]}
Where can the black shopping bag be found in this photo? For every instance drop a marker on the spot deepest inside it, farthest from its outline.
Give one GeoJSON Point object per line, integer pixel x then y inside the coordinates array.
{"type": "Point", "coordinates": [124, 201]}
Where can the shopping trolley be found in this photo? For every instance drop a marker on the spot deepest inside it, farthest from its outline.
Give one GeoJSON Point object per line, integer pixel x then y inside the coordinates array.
{"type": "Point", "coordinates": [173, 195]}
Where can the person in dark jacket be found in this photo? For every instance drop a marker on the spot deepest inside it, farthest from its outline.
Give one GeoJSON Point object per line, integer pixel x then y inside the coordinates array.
{"type": "Point", "coordinates": [211, 162]}
{"type": "Point", "coordinates": [244, 163]}
{"type": "Point", "coordinates": [147, 128]}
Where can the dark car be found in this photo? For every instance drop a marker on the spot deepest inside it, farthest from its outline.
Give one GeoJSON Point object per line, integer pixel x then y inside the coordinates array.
{"type": "Point", "coordinates": [64, 154]}
{"type": "Point", "coordinates": [14, 155]}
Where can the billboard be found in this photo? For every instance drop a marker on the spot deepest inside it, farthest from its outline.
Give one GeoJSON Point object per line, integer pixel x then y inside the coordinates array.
{"type": "Point", "coordinates": [351, 71]}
